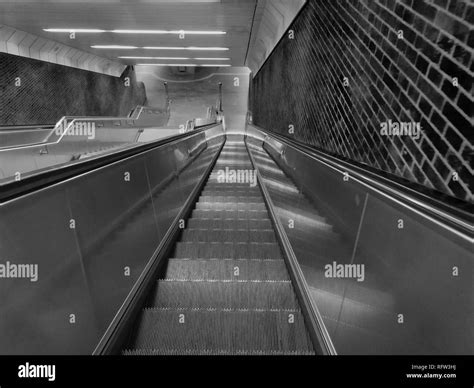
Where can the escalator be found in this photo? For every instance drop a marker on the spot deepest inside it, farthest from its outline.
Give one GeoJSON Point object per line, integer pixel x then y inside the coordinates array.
{"type": "Point", "coordinates": [174, 253]}
{"type": "Point", "coordinates": [226, 289]}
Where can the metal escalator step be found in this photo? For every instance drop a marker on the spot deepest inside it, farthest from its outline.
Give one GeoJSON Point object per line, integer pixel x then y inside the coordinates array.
{"type": "Point", "coordinates": [228, 331]}
{"type": "Point", "coordinates": [237, 162]}
{"type": "Point", "coordinates": [224, 295]}
{"type": "Point", "coordinates": [214, 185]}
{"type": "Point", "coordinates": [206, 352]}
{"type": "Point", "coordinates": [226, 290]}
{"type": "Point", "coordinates": [234, 153]}
{"type": "Point", "coordinates": [229, 235]}
{"type": "Point", "coordinates": [230, 269]}
{"type": "Point", "coordinates": [229, 223]}
{"type": "Point", "coordinates": [242, 214]}
{"type": "Point", "coordinates": [242, 163]}
{"type": "Point", "coordinates": [224, 193]}
{"type": "Point", "coordinates": [231, 198]}
{"type": "Point", "coordinates": [206, 250]}
{"type": "Point", "coordinates": [230, 206]}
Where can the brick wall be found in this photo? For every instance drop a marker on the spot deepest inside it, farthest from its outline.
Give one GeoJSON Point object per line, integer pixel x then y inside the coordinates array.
{"type": "Point", "coordinates": [354, 64]}
{"type": "Point", "coordinates": [49, 91]}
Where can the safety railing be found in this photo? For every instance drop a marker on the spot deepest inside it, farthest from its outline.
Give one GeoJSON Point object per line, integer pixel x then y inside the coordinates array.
{"type": "Point", "coordinates": [72, 137]}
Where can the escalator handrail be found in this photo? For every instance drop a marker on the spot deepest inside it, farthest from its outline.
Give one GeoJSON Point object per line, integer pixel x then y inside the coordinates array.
{"type": "Point", "coordinates": [35, 182]}
{"type": "Point", "coordinates": [454, 218]}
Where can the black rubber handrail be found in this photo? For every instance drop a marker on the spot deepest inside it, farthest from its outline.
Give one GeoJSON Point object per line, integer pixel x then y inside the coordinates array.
{"type": "Point", "coordinates": [456, 213]}
{"type": "Point", "coordinates": [42, 179]}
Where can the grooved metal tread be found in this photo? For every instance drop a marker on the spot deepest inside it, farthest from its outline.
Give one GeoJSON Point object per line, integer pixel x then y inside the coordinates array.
{"type": "Point", "coordinates": [226, 289]}
{"type": "Point", "coordinates": [229, 235]}
{"type": "Point", "coordinates": [221, 269]}
{"type": "Point", "coordinates": [228, 250]}
{"type": "Point", "coordinates": [228, 223]}
{"type": "Point", "coordinates": [224, 295]}
{"type": "Point", "coordinates": [264, 331]}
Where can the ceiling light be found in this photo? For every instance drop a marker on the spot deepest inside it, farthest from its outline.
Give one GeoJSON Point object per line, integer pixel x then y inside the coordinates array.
{"type": "Point", "coordinates": [78, 30]}
{"type": "Point", "coordinates": [212, 59]}
{"type": "Point", "coordinates": [161, 48]}
{"type": "Point", "coordinates": [216, 65]}
{"type": "Point", "coordinates": [174, 32]}
{"type": "Point", "coordinates": [168, 64]}
{"type": "Point", "coordinates": [115, 47]}
{"type": "Point", "coordinates": [157, 32]}
{"type": "Point", "coordinates": [177, 58]}
{"type": "Point", "coordinates": [161, 58]}
{"type": "Point", "coordinates": [180, 65]}
{"type": "Point", "coordinates": [189, 48]}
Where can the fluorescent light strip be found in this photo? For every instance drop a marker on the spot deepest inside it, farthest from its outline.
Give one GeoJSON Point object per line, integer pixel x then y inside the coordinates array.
{"type": "Point", "coordinates": [215, 65]}
{"type": "Point", "coordinates": [157, 32]}
{"type": "Point", "coordinates": [164, 32]}
{"type": "Point", "coordinates": [78, 30]}
{"type": "Point", "coordinates": [181, 65]}
{"type": "Point", "coordinates": [161, 48]}
{"type": "Point", "coordinates": [189, 48]}
{"type": "Point", "coordinates": [212, 59]}
{"type": "Point", "coordinates": [161, 58]}
{"type": "Point", "coordinates": [114, 47]}
{"type": "Point", "coordinates": [178, 58]}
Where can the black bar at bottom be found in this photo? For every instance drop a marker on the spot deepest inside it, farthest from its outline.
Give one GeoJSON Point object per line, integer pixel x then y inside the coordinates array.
{"type": "Point", "coordinates": [340, 371]}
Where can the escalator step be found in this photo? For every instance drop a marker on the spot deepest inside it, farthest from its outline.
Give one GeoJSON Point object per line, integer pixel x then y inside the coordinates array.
{"type": "Point", "coordinates": [223, 214]}
{"type": "Point", "coordinates": [229, 235]}
{"type": "Point", "coordinates": [226, 193]}
{"type": "Point", "coordinates": [229, 331]}
{"type": "Point", "coordinates": [219, 269]}
{"type": "Point", "coordinates": [229, 223]}
{"type": "Point", "coordinates": [214, 185]}
{"type": "Point", "coordinates": [231, 198]}
{"type": "Point", "coordinates": [230, 206]}
{"type": "Point", "coordinates": [233, 162]}
{"type": "Point", "coordinates": [203, 352]}
{"type": "Point", "coordinates": [195, 250]}
{"type": "Point", "coordinates": [226, 289]}
{"type": "Point", "coordinates": [220, 295]}
{"type": "Point", "coordinates": [234, 155]}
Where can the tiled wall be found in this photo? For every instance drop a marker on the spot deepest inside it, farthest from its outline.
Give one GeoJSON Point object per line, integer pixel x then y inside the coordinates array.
{"type": "Point", "coordinates": [355, 64]}
{"type": "Point", "coordinates": [48, 91]}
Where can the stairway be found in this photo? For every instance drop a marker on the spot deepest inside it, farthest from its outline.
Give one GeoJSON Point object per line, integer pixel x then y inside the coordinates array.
{"type": "Point", "coordinates": [227, 290]}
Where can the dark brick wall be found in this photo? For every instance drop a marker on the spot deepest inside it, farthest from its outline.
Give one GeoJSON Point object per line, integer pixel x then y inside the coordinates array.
{"type": "Point", "coordinates": [407, 79]}
{"type": "Point", "coordinates": [49, 91]}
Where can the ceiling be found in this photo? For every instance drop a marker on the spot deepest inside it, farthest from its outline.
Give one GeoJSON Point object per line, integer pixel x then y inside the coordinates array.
{"type": "Point", "coordinates": [232, 16]}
